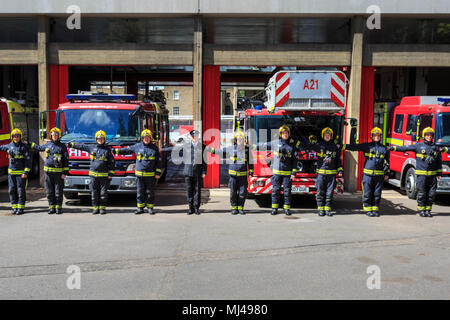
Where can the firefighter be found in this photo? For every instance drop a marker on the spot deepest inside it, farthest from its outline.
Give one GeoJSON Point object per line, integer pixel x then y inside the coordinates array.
{"type": "Point", "coordinates": [148, 170]}
{"type": "Point", "coordinates": [194, 171]}
{"type": "Point", "coordinates": [56, 167]}
{"type": "Point", "coordinates": [376, 170]}
{"type": "Point", "coordinates": [328, 166]}
{"type": "Point", "coordinates": [284, 168]}
{"type": "Point", "coordinates": [18, 170]}
{"type": "Point", "coordinates": [428, 170]}
{"type": "Point", "coordinates": [101, 170]}
{"type": "Point", "coordinates": [240, 164]}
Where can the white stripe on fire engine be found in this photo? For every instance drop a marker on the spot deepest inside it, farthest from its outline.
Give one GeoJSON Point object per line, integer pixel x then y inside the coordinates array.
{"type": "Point", "coordinates": [338, 80]}
{"type": "Point", "coordinates": [282, 80]}
{"type": "Point", "coordinates": [337, 94]}
{"type": "Point", "coordinates": [281, 95]}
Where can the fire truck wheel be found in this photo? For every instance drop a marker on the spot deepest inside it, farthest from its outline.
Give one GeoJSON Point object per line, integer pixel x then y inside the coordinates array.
{"type": "Point", "coordinates": [410, 184]}
{"type": "Point", "coordinates": [71, 195]}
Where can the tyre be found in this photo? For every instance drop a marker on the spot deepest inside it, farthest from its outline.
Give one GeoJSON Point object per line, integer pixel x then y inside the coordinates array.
{"type": "Point", "coordinates": [71, 195]}
{"type": "Point", "coordinates": [410, 183]}
{"type": "Point", "coordinates": [34, 167]}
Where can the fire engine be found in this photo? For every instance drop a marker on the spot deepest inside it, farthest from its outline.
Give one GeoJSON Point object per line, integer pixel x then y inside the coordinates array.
{"type": "Point", "coordinates": [307, 102]}
{"type": "Point", "coordinates": [122, 118]}
{"type": "Point", "coordinates": [15, 115]}
{"type": "Point", "coordinates": [406, 122]}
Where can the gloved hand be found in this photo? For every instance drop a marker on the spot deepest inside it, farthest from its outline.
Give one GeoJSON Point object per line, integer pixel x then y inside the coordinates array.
{"type": "Point", "coordinates": [391, 148]}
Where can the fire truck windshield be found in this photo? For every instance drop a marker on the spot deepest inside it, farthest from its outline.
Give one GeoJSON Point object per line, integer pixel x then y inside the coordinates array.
{"type": "Point", "coordinates": [443, 128]}
{"type": "Point", "coordinates": [81, 124]}
{"type": "Point", "coordinates": [302, 126]}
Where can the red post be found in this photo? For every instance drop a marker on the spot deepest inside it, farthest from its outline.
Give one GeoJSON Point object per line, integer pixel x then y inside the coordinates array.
{"type": "Point", "coordinates": [59, 87]}
{"type": "Point", "coordinates": [365, 114]}
{"type": "Point", "coordinates": [211, 120]}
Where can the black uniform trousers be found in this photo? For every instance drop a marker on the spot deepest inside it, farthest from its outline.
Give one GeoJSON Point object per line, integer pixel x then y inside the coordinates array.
{"type": "Point", "coordinates": [238, 191]}
{"type": "Point", "coordinates": [325, 184]}
{"type": "Point", "coordinates": [17, 191]}
{"type": "Point", "coordinates": [54, 186]}
{"type": "Point", "coordinates": [372, 186]}
{"type": "Point", "coordinates": [99, 195]}
{"type": "Point", "coordinates": [145, 191]}
{"type": "Point", "coordinates": [194, 190]}
{"type": "Point", "coordinates": [426, 191]}
{"type": "Point", "coordinates": [278, 180]}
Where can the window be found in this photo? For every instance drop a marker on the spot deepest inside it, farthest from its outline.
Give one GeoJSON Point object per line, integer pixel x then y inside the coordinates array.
{"type": "Point", "coordinates": [176, 95]}
{"type": "Point", "coordinates": [398, 126]}
{"type": "Point", "coordinates": [411, 124]}
{"type": "Point", "coordinates": [176, 111]}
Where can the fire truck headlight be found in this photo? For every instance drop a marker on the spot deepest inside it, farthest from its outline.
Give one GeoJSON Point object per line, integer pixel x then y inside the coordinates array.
{"type": "Point", "coordinates": [66, 182]}
{"type": "Point", "coordinates": [131, 167]}
{"type": "Point", "coordinates": [445, 168]}
{"type": "Point", "coordinates": [299, 166]}
{"type": "Point", "coordinates": [129, 183]}
{"type": "Point", "coordinates": [259, 183]}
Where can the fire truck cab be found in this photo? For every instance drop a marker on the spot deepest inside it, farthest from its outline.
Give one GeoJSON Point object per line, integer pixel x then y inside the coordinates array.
{"type": "Point", "coordinates": [122, 118]}
{"type": "Point", "coordinates": [307, 102]}
{"type": "Point", "coordinates": [406, 123]}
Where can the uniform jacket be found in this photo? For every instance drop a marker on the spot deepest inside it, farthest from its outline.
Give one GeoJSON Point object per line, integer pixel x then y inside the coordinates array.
{"type": "Point", "coordinates": [148, 158]}
{"type": "Point", "coordinates": [102, 160]}
{"type": "Point", "coordinates": [376, 157]}
{"type": "Point", "coordinates": [328, 156]}
{"type": "Point", "coordinates": [284, 157]}
{"type": "Point", "coordinates": [239, 159]}
{"type": "Point", "coordinates": [428, 158]}
{"type": "Point", "coordinates": [194, 163]}
{"type": "Point", "coordinates": [19, 158]}
{"type": "Point", "coordinates": [57, 157]}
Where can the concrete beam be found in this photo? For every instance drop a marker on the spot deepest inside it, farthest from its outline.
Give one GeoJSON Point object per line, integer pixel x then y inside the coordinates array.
{"type": "Point", "coordinates": [407, 55]}
{"type": "Point", "coordinates": [119, 54]}
{"type": "Point", "coordinates": [18, 53]}
{"type": "Point", "coordinates": [354, 101]}
{"type": "Point", "coordinates": [281, 55]}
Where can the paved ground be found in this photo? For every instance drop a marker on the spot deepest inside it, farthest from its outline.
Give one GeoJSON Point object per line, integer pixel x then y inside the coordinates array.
{"type": "Point", "coordinates": [218, 256]}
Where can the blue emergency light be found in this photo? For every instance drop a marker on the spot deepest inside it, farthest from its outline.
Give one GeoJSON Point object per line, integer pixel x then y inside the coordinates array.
{"type": "Point", "coordinates": [102, 97]}
{"type": "Point", "coordinates": [445, 101]}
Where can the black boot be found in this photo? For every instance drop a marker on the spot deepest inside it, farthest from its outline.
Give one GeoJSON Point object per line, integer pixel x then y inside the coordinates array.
{"type": "Point", "coordinates": [51, 211]}
{"type": "Point", "coordinates": [14, 211]}
{"type": "Point", "coordinates": [428, 213]}
{"type": "Point", "coordinates": [375, 213]}
{"type": "Point", "coordinates": [102, 211]}
{"type": "Point", "coordinates": [95, 211]}
{"type": "Point", "coordinates": [242, 212]}
{"type": "Point", "coordinates": [328, 212]}
{"type": "Point", "coordinates": [59, 211]}
{"type": "Point", "coordinates": [287, 212]}
{"type": "Point", "coordinates": [234, 212]}
{"type": "Point", "coordinates": [321, 213]}
{"type": "Point", "coordinates": [19, 211]}
{"type": "Point", "coordinates": [191, 210]}
{"type": "Point", "coordinates": [197, 211]}
{"type": "Point", "coordinates": [139, 211]}
{"type": "Point", "coordinates": [150, 211]}
{"type": "Point", "coordinates": [422, 213]}
{"type": "Point", "coordinates": [369, 213]}
{"type": "Point", "coordinates": [274, 211]}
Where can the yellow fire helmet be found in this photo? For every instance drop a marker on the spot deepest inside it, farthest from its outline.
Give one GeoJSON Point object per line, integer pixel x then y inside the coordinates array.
{"type": "Point", "coordinates": [58, 132]}
{"type": "Point", "coordinates": [327, 129]}
{"type": "Point", "coordinates": [283, 128]}
{"type": "Point", "coordinates": [146, 132]}
{"type": "Point", "coordinates": [427, 130]}
{"type": "Point", "coordinates": [312, 138]}
{"type": "Point", "coordinates": [16, 131]}
{"type": "Point", "coordinates": [239, 134]}
{"type": "Point", "coordinates": [376, 130]}
{"type": "Point", "coordinates": [100, 134]}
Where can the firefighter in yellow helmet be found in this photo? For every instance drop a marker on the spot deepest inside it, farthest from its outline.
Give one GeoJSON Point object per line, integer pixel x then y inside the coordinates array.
{"type": "Point", "coordinates": [18, 169]}
{"type": "Point", "coordinates": [148, 170]}
{"type": "Point", "coordinates": [56, 167]}
{"type": "Point", "coordinates": [101, 170]}
{"type": "Point", "coordinates": [284, 168]}
{"type": "Point", "coordinates": [328, 167]}
{"type": "Point", "coordinates": [376, 170]}
{"type": "Point", "coordinates": [428, 170]}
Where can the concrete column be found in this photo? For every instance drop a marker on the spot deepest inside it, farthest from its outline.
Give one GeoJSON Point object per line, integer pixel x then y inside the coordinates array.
{"type": "Point", "coordinates": [43, 77]}
{"type": "Point", "coordinates": [197, 76]}
{"type": "Point", "coordinates": [354, 100]}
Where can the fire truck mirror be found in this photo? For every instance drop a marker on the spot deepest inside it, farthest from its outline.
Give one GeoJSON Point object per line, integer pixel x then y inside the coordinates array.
{"type": "Point", "coordinates": [414, 137]}
{"type": "Point", "coordinates": [353, 135]}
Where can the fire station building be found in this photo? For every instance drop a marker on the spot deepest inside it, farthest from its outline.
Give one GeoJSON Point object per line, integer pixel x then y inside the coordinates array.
{"type": "Point", "coordinates": [216, 52]}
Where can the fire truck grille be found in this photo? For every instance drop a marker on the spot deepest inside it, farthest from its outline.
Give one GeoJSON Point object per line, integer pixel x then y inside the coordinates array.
{"type": "Point", "coordinates": [79, 164]}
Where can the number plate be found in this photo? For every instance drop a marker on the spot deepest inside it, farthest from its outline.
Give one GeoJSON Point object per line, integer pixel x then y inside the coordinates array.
{"type": "Point", "coordinates": [87, 181]}
{"type": "Point", "coordinates": [300, 189]}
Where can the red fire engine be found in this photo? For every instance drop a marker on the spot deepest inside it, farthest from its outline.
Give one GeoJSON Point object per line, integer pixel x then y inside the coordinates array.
{"type": "Point", "coordinates": [406, 122]}
{"type": "Point", "coordinates": [122, 118]}
{"type": "Point", "coordinates": [307, 102]}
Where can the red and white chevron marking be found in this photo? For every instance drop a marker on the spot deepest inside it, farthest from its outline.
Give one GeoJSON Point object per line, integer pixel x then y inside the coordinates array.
{"type": "Point", "coordinates": [282, 85]}
{"type": "Point", "coordinates": [338, 88]}
{"type": "Point", "coordinates": [267, 188]}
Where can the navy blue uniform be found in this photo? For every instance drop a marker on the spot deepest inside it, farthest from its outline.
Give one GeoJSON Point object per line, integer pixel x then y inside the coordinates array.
{"type": "Point", "coordinates": [102, 167]}
{"type": "Point", "coordinates": [56, 164]}
{"type": "Point", "coordinates": [284, 165]}
{"type": "Point", "coordinates": [19, 163]}
{"type": "Point", "coordinates": [194, 167]}
{"type": "Point", "coordinates": [240, 162]}
{"type": "Point", "coordinates": [148, 165]}
{"type": "Point", "coordinates": [328, 165]}
{"type": "Point", "coordinates": [376, 166]}
{"type": "Point", "coordinates": [428, 167]}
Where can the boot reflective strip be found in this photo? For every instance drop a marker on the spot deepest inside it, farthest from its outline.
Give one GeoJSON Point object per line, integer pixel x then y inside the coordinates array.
{"type": "Point", "coordinates": [150, 205]}
{"type": "Point", "coordinates": [141, 205]}
{"type": "Point", "coordinates": [286, 206]}
{"type": "Point", "coordinates": [428, 208]}
{"type": "Point", "coordinates": [14, 206]}
{"type": "Point", "coordinates": [327, 208]}
{"type": "Point", "coordinates": [234, 207]}
{"type": "Point", "coordinates": [102, 207]}
{"type": "Point", "coordinates": [58, 206]}
{"type": "Point", "coordinates": [51, 206]}
{"type": "Point", "coordinates": [275, 205]}
{"type": "Point", "coordinates": [320, 208]}
{"type": "Point", "coordinates": [95, 208]}
{"type": "Point", "coordinates": [367, 208]}
{"type": "Point", "coordinates": [240, 208]}
{"type": "Point", "coordinates": [21, 206]}
{"type": "Point", "coordinates": [421, 208]}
